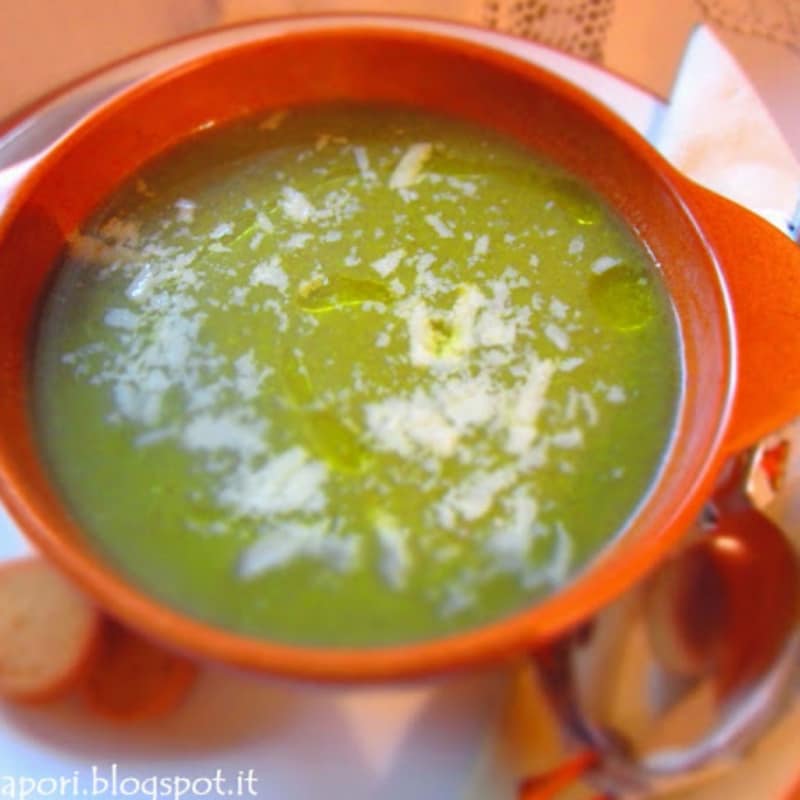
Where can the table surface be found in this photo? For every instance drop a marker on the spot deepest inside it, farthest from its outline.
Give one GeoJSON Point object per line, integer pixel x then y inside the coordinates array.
{"type": "Point", "coordinates": [457, 738]}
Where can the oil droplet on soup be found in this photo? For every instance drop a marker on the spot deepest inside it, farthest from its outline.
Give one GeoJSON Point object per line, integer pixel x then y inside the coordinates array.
{"type": "Point", "coordinates": [622, 296]}
{"type": "Point", "coordinates": [361, 377]}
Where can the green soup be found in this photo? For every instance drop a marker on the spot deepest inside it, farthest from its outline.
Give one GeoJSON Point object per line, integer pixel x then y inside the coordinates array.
{"type": "Point", "coordinates": [353, 375]}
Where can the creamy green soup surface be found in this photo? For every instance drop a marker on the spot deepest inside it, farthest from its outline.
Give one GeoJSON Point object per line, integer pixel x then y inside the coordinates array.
{"type": "Point", "coordinates": [348, 375]}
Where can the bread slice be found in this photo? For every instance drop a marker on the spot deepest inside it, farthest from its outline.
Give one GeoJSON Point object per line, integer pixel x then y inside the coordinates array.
{"type": "Point", "coordinates": [134, 679]}
{"type": "Point", "coordinates": [49, 632]}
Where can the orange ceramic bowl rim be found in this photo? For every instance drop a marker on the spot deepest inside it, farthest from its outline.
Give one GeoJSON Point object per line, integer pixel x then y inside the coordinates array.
{"type": "Point", "coordinates": [696, 237]}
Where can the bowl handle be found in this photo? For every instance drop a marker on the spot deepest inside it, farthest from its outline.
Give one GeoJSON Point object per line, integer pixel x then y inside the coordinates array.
{"type": "Point", "coordinates": [761, 267]}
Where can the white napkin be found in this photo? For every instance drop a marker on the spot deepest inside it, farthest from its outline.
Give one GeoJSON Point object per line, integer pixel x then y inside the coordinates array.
{"type": "Point", "coordinates": [718, 132]}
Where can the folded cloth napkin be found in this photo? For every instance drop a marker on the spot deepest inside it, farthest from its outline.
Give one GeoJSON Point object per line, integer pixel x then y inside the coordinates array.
{"type": "Point", "coordinates": [717, 131]}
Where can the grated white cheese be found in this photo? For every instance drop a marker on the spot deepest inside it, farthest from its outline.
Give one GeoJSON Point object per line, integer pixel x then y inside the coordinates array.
{"type": "Point", "coordinates": [291, 481]}
{"type": "Point", "coordinates": [524, 408]}
{"type": "Point", "coordinates": [558, 568]}
{"type": "Point", "coordinates": [558, 309]}
{"type": "Point", "coordinates": [224, 432]}
{"type": "Point", "coordinates": [387, 264]}
{"type": "Point", "coordinates": [155, 436]}
{"type": "Point", "coordinates": [270, 273]}
{"type": "Point", "coordinates": [442, 228]}
{"type": "Point", "coordinates": [557, 335]}
{"type": "Point", "coordinates": [421, 335]}
{"type": "Point", "coordinates": [121, 318]}
{"type": "Point", "coordinates": [298, 240]}
{"type": "Point", "coordinates": [238, 295]}
{"type": "Point", "coordinates": [481, 247]}
{"type": "Point", "coordinates": [466, 402]}
{"type": "Point", "coordinates": [426, 346]}
{"type": "Point", "coordinates": [590, 409]}
{"type": "Point", "coordinates": [576, 245]}
{"type": "Point", "coordinates": [474, 497]}
{"type": "Point", "coordinates": [185, 210]}
{"type": "Point", "coordinates": [424, 262]}
{"type": "Point", "coordinates": [494, 331]}
{"type": "Point", "coordinates": [139, 289]}
{"type": "Point", "coordinates": [408, 169]}
{"type": "Point", "coordinates": [362, 161]}
{"type": "Point", "coordinates": [466, 187]}
{"type": "Point", "coordinates": [406, 425]}
{"type": "Point", "coordinates": [568, 440]}
{"type": "Point", "coordinates": [264, 222]}
{"type": "Point", "coordinates": [572, 404]}
{"type": "Point", "coordinates": [223, 229]}
{"type": "Point", "coordinates": [395, 553]}
{"type": "Point", "coordinates": [249, 376]}
{"type": "Point", "coordinates": [457, 598]}
{"type": "Point", "coordinates": [569, 364]}
{"type": "Point", "coordinates": [139, 404]}
{"type": "Point", "coordinates": [352, 259]}
{"type": "Point", "coordinates": [510, 546]}
{"type": "Point", "coordinates": [295, 205]}
{"type": "Point", "coordinates": [470, 300]}
{"type": "Point", "coordinates": [616, 394]}
{"type": "Point", "coordinates": [296, 540]}
{"type": "Point", "coordinates": [603, 264]}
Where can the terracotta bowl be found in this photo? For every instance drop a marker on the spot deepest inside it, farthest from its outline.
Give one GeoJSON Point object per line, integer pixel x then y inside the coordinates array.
{"type": "Point", "coordinates": [734, 281]}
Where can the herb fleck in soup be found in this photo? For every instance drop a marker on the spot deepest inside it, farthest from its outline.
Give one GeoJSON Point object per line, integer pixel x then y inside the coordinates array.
{"type": "Point", "coordinates": [353, 375]}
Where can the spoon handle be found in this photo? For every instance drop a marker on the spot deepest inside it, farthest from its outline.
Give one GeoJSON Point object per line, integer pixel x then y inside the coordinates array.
{"type": "Point", "coordinates": [549, 785]}
{"type": "Point", "coordinates": [716, 624]}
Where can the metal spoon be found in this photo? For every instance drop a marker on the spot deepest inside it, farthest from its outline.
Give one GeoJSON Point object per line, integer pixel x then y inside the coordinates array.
{"type": "Point", "coordinates": [677, 679]}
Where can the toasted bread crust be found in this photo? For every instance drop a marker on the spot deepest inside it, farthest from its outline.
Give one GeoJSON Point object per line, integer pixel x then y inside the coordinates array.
{"type": "Point", "coordinates": [134, 679]}
{"type": "Point", "coordinates": [49, 632]}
